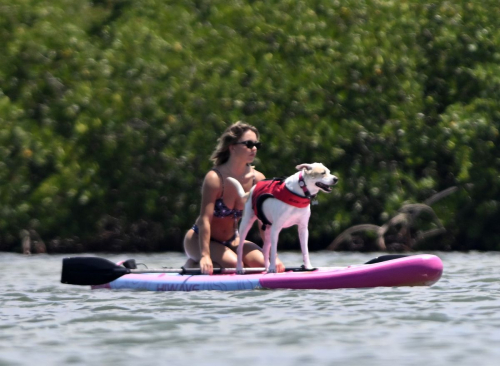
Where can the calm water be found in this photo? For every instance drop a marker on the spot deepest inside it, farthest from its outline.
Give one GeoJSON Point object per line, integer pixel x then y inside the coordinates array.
{"type": "Point", "coordinates": [454, 322]}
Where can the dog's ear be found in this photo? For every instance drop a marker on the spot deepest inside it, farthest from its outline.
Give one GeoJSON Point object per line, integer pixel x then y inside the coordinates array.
{"type": "Point", "coordinates": [304, 166]}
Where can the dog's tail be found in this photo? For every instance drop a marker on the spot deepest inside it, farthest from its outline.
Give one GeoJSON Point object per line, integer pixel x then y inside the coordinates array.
{"type": "Point", "coordinates": [241, 192]}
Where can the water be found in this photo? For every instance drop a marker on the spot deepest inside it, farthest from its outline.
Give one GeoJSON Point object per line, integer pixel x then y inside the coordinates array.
{"type": "Point", "coordinates": [454, 322]}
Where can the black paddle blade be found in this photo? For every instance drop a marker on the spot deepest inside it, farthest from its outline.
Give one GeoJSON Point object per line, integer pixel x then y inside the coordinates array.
{"type": "Point", "coordinates": [384, 258]}
{"type": "Point", "coordinates": [90, 271]}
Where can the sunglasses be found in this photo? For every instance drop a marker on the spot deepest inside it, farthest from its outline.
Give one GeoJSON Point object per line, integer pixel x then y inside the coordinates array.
{"type": "Point", "coordinates": [250, 144]}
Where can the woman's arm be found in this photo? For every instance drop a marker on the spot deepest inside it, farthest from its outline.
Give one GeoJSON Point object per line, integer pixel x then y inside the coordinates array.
{"type": "Point", "coordinates": [210, 191]}
{"type": "Point", "coordinates": [259, 176]}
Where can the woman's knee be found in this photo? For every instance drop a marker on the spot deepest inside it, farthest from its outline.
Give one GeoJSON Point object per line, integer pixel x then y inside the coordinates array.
{"type": "Point", "coordinates": [191, 264]}
{"type": "Point", "coordinates": [251, 247]}
{"type": "Point", "coordinates": [223, 255]}
{"type": "Point", "coordinates": [191, 246]}
{"type": "Point", "coordinates": [252, 255]}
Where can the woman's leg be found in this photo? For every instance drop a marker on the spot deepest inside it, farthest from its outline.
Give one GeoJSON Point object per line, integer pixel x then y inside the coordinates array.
{"type": "Point", "coordinates": [252, 255]}
{"type": "Point", "coordinates": [191, 246]}
{"type": "Point", "coordinates": [221, 255]}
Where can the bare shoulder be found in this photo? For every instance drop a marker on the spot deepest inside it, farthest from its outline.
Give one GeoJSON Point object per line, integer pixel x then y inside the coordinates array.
{"type": "Point", "coordinates": [212, 180]}
{"type": "Point", "coordinates": [259, 176]}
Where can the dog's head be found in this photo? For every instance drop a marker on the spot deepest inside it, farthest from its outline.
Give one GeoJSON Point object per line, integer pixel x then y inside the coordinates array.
{"type": "Point", "coordinates": [317, 177]}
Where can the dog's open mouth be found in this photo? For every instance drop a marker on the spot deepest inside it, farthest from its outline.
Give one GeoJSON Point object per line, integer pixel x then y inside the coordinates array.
{"type": "Point", "coordinates": [324, 187]}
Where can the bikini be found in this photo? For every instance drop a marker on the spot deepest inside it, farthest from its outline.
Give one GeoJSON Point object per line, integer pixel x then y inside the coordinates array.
{"type": "Point", "coordinates": [221, 211]}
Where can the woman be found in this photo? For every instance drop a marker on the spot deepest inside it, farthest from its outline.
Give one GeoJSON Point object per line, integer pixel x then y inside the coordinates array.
{"type": "Point", "coordinates": [214, 237]}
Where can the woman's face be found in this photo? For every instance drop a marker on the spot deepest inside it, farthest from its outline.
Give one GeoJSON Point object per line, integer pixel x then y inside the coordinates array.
{"type": "Point", "coordinates": [242, 150]}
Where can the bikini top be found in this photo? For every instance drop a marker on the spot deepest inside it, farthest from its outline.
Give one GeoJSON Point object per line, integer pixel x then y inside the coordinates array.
{"type": "Point", "coordinates": [220, 209]}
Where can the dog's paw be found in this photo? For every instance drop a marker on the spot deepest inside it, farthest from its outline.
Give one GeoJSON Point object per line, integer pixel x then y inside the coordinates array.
{"type": "Point", "coordinates": [307, 265]}
{"type": "Point", "coordinates": [271, 270]}
{"type": "Point", "coordinates": [240, 270]}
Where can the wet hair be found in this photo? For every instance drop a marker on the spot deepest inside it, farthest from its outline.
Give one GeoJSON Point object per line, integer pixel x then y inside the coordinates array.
{"type": "Point", "coordinates": [230, 136]}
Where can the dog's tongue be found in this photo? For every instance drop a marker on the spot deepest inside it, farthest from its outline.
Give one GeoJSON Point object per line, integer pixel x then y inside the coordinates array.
{"type": "Point", "coordinates": [324, 187]}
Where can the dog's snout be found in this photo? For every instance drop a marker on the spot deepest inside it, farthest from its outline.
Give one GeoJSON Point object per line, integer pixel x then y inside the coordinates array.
{"type": "Point", "coordinates": [335, 180]}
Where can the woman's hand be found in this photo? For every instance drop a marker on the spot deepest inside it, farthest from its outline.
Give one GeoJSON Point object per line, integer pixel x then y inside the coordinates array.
{"type": "Point", "coordinates": [206, 265]}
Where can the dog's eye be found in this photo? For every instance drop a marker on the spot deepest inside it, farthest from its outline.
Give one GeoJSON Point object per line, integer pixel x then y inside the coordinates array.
{"type": "Point", "coordinates": [323, 173]}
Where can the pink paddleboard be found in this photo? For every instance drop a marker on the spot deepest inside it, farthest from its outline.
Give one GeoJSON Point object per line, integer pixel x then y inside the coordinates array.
{"type": "Point", "coordinates": [413, 270]}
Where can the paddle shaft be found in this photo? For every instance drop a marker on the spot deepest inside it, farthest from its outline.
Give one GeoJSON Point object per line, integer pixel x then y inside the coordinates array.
{"type": "Point", "coordinates": [97, 271]}
{"type": "Point", "coordinates": [194, 271]}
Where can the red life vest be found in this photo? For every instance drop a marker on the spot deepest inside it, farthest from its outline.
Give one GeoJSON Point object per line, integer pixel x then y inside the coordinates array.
{"type": "Point", "coordinates": [278, 189]}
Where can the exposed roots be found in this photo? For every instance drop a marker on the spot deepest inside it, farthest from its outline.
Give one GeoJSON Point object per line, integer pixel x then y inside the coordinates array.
{"type": "Point", "coordinates": [400, 233]}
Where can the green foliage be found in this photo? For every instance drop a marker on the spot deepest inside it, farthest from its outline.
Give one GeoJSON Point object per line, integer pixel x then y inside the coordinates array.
{"type": "Point", "coordinates": [109, 110]}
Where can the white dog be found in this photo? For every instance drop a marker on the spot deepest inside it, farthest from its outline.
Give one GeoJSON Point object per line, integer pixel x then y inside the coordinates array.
{"type": "Point", "coordinates": [279, 204]}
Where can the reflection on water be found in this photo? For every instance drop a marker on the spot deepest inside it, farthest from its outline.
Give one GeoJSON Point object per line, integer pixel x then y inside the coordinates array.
{"type": "Point", "coordinates": [456, 321]}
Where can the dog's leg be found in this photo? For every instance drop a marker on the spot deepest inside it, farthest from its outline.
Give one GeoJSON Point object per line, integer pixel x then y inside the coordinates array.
{"type": "Point", "coordinates": [246, 223]}
{"type": "Point", "coordinates": [275, 232]}
{"type": "Point", "coordinates": [304, 240]}
{"type": "Point", "coordinates": [266, 246]}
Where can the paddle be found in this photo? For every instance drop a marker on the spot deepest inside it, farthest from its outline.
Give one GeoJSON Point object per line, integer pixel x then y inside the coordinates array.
{"type": "Point", "coordinates": [97, 271]}
{"type": "Point", "coordinates": [87, 271]}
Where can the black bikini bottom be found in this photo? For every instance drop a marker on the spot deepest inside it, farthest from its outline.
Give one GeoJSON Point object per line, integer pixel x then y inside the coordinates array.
{"type": "Point", "coordinates": [226, 243]}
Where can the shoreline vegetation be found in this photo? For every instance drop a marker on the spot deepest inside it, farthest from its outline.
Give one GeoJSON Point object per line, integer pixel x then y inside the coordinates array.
{"type": "Point", "coordinates": [109, 110]}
